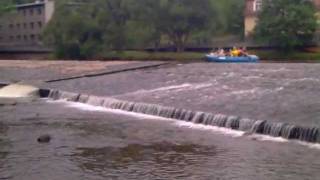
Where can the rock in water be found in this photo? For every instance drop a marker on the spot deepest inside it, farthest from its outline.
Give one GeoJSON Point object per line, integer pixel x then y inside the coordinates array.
{"type": "Point", "coordinates": [44, 138]}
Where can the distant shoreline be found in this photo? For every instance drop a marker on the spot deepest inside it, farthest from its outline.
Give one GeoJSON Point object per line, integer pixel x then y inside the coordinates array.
{"type": "Point", "coordinates": [266, 56]}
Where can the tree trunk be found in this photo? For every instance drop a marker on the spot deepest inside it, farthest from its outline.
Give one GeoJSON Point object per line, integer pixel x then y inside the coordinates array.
{"type": "Point", "coordinates": [180, 48]}
{"type": "Point", "coordinates": [180, 41]}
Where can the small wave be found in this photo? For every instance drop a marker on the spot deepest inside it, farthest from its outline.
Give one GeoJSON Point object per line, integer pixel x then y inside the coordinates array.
{"type": "Point", "coordinates": [258, 91]}
{"type": "Point", "coordinates": [177, 88]}
{"type": "Point", "coordinates": [267, 138]}
{"type": "Point", "coordinates": [233, 133]}
{"type": "Point", "coordinates": [254, 77]}
{"type": "Point", "coordinates": [310, 145]}
{"type": "Point", "coordinates": [241, 92]}
{"type": "Point", "coordinates": [271, 70]}
{"type": "Point", "coordinates": [292, 81]}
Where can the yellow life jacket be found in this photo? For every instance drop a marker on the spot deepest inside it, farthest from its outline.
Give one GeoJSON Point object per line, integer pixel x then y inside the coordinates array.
{"type": "Point", "coordinates": [235, 52]}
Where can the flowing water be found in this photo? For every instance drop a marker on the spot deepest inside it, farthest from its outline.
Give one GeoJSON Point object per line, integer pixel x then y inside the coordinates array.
{"type": "Point", "coordinates": [275, 92]}
{"type": "Point", "coordinates": [250, 126]}
{"type": "Point", "coordinates": [92, 143]}
{"type": "Point", "coordinates": [192, 121]}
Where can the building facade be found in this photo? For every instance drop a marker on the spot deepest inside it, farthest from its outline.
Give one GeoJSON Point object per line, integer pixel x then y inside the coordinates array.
{"type": "Point", "coordinates": [251, 10]}
{"type": "Point", "coordinates": [23, 27]}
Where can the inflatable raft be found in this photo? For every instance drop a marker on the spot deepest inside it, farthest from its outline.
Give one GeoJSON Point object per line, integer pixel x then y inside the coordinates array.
{"type": "Point", "coordinates": [231, 59]}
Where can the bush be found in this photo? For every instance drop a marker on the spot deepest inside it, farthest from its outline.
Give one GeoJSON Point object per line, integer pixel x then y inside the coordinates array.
{"type": "Point", "coordinates": [286, 23]}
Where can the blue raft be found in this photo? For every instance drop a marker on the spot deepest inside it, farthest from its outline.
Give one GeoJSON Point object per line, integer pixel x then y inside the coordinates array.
{"type": "Point", "coordinates": [230, 59]}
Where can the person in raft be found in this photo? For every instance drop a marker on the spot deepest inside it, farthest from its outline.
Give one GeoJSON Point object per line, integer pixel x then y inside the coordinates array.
{"type": "Point", "coordinates": [243, 51]}
{"type": "Point", "coordinates": [235, 52]}
{"type": "Point", "coordinates": [213, 52]}
{"type": "Point", "coordinates": [221, 52]}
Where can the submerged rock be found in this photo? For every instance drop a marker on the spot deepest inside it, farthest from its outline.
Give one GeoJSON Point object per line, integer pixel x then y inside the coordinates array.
{"type": "Point", "coordinates": [44, 138]}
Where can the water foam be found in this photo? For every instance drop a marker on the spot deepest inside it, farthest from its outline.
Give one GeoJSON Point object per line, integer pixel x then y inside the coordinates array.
{"type": "Point", "coordinates": [256, 91]}
{"type": "Point", "coordinates": [91, 108]}
{"type": "Point", "coordinates": [293, 81]}
{"type": "Point", "coordinates": [177, 88]}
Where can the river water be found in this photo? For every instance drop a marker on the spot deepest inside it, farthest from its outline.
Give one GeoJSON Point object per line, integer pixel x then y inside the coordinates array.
{"type": "Point", "coordinates": [274, 92]}
{"type": "Point", "coordinates": [91, 143]}
{"type": "Point", "coordinates": [94, 143]}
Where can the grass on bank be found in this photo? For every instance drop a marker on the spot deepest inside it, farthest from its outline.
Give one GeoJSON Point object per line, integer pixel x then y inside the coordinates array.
{"type": "Point", "coordinates": [274, 55]}
{"type": "Point", "coordinates": [143, 55]}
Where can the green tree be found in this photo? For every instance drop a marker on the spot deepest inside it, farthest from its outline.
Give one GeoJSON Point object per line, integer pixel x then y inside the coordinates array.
{"type": "Point", "coordinates": [178, 19]}
{"type": "Point", "coordinates": [9, 5]}
{"type": "Point", "coordinates": [286, 23]}
{"type": "Point", "coordinates": [225, 18]}
{"type": "Point", "coordinates": [86, 28]}
{"type": "Point", "coordinates": [114, 17]}
{"type": "Point", "coordinates": [231, 16]}
{"type": "Point", "coordinates": [5, 6]}
{"type": "Point", "coordinates": [74, 32]}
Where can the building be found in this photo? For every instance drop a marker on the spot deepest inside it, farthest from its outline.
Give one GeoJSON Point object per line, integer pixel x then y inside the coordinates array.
{"type": "Point", "coordinates": [22, 28]}
{"type": "Point", "coordinates": [252, 8]}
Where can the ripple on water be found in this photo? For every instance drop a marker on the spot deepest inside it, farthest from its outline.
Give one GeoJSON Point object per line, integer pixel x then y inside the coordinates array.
{"type": "Point", "coordinates": [158, 160]}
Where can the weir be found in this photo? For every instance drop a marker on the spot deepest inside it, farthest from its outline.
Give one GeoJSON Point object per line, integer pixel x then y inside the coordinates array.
{"type": "Point", "coordinates": [275, 129]}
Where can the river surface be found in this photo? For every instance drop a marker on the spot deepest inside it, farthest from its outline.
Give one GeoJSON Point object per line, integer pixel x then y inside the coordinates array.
{"type": "Point", "coordinates": [274, 92]}
{"type": "Point", "coordinates": [89, 143]}
{"type": "Point", "coordinates": [92, 143]}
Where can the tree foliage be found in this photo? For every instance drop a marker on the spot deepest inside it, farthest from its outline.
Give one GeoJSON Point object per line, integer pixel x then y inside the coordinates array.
{"type": "Point", "coordinates": [286, 23]}
{"type": "Point", "coordinates": [5, 6]}
{"type": "Point", "coordinates": [178, 19]}
{"type": "Point", "coordinates": [74, 32]}
{"type": "Point", "coordinates": [90, 27]}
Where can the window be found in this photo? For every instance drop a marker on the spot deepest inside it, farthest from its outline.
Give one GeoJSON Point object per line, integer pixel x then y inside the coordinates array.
{"type": "Point", "coordinates": [31, 25]}
{"type": "Point", "coordinates": [1, 38]}
{"type": "Point", "coordinates": [25, 37]}
{"type": "Point", "coordinates": [11, 38]}
{"type": "Point", "coordinates": [40, 24]}
{"type": "Point", "coordinates": [0, 27]}
{"type": "Point", "coordinates": [32, 37]}
{"type": "Point", "coordinates": [11, 26]}
{"type": "Point", "coordinates": [39, 11]}
{"type": "Point", "coordinates": [18, 37]}
{"type": "Point", "coordinates": [25, 25]}
{"type": "Point", "coordinates": [31, 12]}
{"type": "Point", "coordinates": [39, 37]}
{"type": "Point", "coordinates": [257, 5]}
{"type": "Point", "coordinates": [24, 12]}
{"type": "Point", "coordinates": [18, 26]}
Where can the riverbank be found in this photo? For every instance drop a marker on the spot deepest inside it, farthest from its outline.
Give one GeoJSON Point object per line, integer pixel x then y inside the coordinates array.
{"type": "Point", "coordinates": [154, 56]}
{"type": "Point", "coordinates": [268, 56]}
{"type": "Point", "coordinates": [295, 56]}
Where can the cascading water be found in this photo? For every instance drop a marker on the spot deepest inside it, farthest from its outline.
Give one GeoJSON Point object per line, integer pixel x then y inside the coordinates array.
{"type": "Point", "coordinates": [308, 134]}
